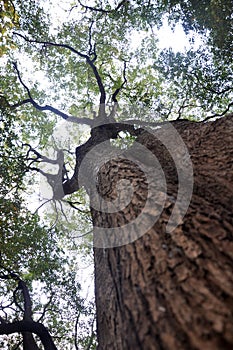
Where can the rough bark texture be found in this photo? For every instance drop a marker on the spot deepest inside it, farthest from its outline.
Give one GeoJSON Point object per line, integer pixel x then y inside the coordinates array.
{"type": "Point", "coordinates": [172, 291]}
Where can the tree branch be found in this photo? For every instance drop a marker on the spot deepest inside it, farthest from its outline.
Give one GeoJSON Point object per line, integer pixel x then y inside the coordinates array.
{"type": "Point", "coordinates": [31, 327]}
{"type": "Point", "coordinates": [15, 300]}
{"type": "Point", "coordinates": [92, 336]}
{"type": "Point", "coordinates": [92, 48]}
{"type": "Point", "coordinates": [89, 61]}
{"type": "Point", "coordinates": [28, 340]}
{"type": "Point", "coordinates": [46, 307]}
{"type": "Point", "coordinates": [219, 114]}
{"type": "Point", "coordinates": [114, 96]}
{"type": "Point", "coordinates": [117, 91]}
{"type": "Point", "coordinates": [73, 205]}
{"type": "Point", "coordinates": [56, 111]}
{"type": "Point", "coordinates": [99, 134]}
{"type": "Point", "coordinates": [54, 180]}
{"type": "Point", "coordinates": [96, 9]}
{"type": "Point", "coordinates": [211, 89]}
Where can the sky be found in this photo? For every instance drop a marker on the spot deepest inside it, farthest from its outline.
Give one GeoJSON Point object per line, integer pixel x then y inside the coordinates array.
{"type": "Point", "coordinates": [176, 39]}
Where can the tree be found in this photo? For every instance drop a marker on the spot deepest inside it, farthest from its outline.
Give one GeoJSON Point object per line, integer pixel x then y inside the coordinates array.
{"type": "Point", "coordinates": [172, 290]}
{"type": "Point", "coordinates": [148, 252]}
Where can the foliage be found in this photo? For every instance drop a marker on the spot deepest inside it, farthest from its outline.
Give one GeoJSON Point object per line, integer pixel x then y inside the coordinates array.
{"type": "Point", "coordinates": [212, 16]}
{"type": "Point", "coordinates": [8, 20]}
{"type": "Point", "coordinates": [33, 252]}
{"type": "Point", "coordinates": [198, 84]}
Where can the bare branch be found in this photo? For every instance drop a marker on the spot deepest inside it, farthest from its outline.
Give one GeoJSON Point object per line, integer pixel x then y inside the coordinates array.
{"type": "Point", "coordinates": [39, 158]}
{"type": "Point", "coordinates": [27, 300]}
{"type": "Point", "coordinates": [9, 275]}
{"type": "Point", "coordinates": [183, 106]}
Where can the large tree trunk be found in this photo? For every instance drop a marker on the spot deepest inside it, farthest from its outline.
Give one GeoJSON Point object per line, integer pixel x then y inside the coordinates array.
{"type": "Point", "coordinates": [172, 290]}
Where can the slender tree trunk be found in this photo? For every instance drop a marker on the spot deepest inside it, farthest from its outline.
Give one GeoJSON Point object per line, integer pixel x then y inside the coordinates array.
{"type": "Point", "coordinates": [172, 290]}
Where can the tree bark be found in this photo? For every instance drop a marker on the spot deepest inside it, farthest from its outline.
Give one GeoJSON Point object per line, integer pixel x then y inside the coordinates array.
{"type": "Point", "coordinates": [171, 290]}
